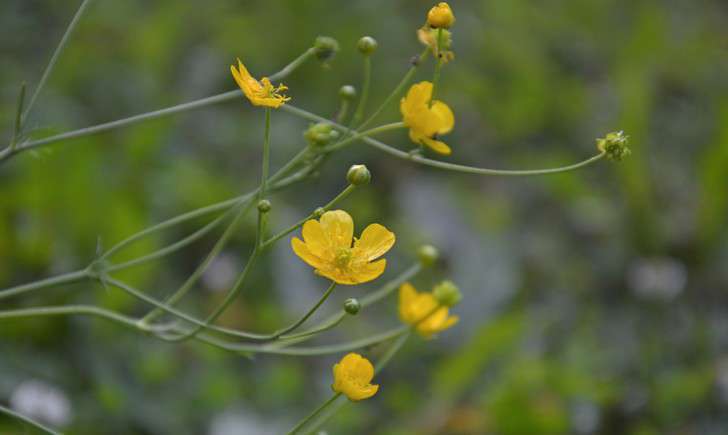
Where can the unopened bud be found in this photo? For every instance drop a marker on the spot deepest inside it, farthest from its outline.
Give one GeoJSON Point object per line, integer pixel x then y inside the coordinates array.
{"type": "Point", "coordinates": [352, 306]}
{"type": "Point", "coordinates": [367, 45]}
{"type": "Point", "coordinates": [358, 175]}
{"type": "Point", "coordinates": [264, 206]}
{"type": "Point", "coordinates": [320, 134]}
{"type": "Point", "coordinates": [347, 92]}
{"type": "Point", "coordinates": [428, 255]}
{"type": "Point", "coordinates": [326, 48]}
{"type": "Point", "coordinates": [447, 293]}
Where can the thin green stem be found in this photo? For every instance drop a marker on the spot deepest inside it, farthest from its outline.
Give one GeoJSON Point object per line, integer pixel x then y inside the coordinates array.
{"type": "Point", "coordinates": [361, 105]}
{"type": "Point", "coordinates": [438, 67]}
{"type": "Point", "coordinates": [381, 363]}
{"type": "Point", "coordinates": [18, 126]}
{"type": "Point", "coordinates": [55, 56]}
{"type": "Point", "coordinates": [202, 267]}
{"type": "Point", "coordinates": [367, 133]}
{"type": "Point", "coordinates": [443, 165]}
{"type": "Point", "coordinates": [173, 247]}
{"type": "Point", "coordinates": [398, 89]}
{"type": "Point", "coordinates": [343, 111]}
{"type": "Point", "coordinates": [66, 278]}
{"type": "Point", "coordinates": [344, 193]}
{"type": "Point", "coordinates": [323, 327]}
{"type": "Point", "coordinates": [306, 316]}
{"type": "Point", "coordinates": [266, 156]}
{"type": "Point", "coordinates": [296, 429]}
{"type": "Point", "coordinates": [27, 420]}
{"type": "Point", "coordinates": [67, 310]}
{"type": "Point", "coordinates": [203, 102]}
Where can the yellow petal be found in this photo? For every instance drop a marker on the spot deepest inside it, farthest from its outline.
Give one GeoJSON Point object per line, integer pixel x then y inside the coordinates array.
{"type": "Point", "coordinates": [303, 251]}
{"type": "Point", "coordinates": [437, 146]}
{"type": "Point", "coordinates": [418, 95]}
{"type": "Point", "coordinates": [338, 227]}
{"type": "Point", "coordinates": [445, 116]}
{"type": "Point", "coordinates": [362, 370]}
{"type": "Point", "coordinates": [317, 240]}
{"type": "Point", "coordinates": [375, 241]}
{"type": "Point", "coordinates": [365, 272]}
{"type": "Point", "coordinates": [361, 393]}
{"type": "Point", "coordinates": [407, 295]}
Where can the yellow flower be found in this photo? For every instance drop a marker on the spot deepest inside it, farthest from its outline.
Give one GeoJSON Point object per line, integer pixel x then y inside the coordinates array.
{"type": "Point", "coordinates": [352, 377]}
{"type": "Point", "coordinates": [428, 37]}
{"type": "Point", "coordinates": [441, 16]}
{"type": "Point", "coordinates": [327, 247]}
{"type": "Point", "coordinates": [426, 122]}
{"type": "Point", "coordinates": [414, 307]}
{"type": "Point", "coordinates": [260, 93]}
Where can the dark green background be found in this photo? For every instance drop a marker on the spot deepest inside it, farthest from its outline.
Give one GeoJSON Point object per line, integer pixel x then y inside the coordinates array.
{"type": "Point", "coordinates": [595, 302]}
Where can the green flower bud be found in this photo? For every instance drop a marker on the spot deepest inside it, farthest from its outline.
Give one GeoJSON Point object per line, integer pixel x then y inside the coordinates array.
{"type": "Point", "coordinates": [326, 48]}
{"type": "Point", "coordinates": [614, 145]}
{"type": "Point", "coordinates": [352, 306]}
{"type": "Point", "coordinates": [320, 134]}
{"type": "Point", "coordinates": [428, 255]}
{"type": "Point", "coordinates": [367, 45]}
{"type": "Point", "coordinates": [447, 293]}
{"type": "Point", "coordinates": [264, 206]}
{"type": "Point", "coordinates": [358, 175]}
{"type": "Point", "coordinates": [347, 92]}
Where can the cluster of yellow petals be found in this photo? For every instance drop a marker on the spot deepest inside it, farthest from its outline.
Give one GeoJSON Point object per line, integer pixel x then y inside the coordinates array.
{"type": "Point", "coordinates": [414, 307]}
{"type": "Point", "coordinates": [353, 376]}
{"type": "Point", "coordinates": [327, 247]}
{"type": "Point", "coordinates": [441, 16]}
{"type": "Point", "coordinates": [425, 120]}
{"type": "Point", "coordinates": [260, 93]}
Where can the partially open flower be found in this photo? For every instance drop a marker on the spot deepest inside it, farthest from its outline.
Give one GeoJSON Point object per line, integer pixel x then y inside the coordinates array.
{"type": "Point", "coordinates": [421, 310]}
{"type": "Point", "coordinates": [424, 121]}
{"type": "Point", "coordinates": [260, 93]}
{"type": "Point", "coordinates": [441, 16]}
{"type": "Point", "coordinates": [327, 247]}
{"type": "Point", "coordinates": [353, 376]}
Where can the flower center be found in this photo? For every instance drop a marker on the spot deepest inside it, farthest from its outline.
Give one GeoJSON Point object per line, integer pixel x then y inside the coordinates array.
{"type": "Point", "coordinates": [343, 257]}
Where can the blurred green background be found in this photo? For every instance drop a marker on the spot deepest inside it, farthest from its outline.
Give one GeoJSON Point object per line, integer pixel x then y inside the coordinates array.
{"type": "Point", "coordinates": [596, 302]}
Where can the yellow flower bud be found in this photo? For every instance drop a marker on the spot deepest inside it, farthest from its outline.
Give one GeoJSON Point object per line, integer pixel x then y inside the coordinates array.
{"type": "Point", "coordinates": [440, 16]}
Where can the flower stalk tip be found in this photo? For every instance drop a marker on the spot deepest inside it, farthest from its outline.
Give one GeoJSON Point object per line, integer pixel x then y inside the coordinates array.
{"type": "Point", "coordinates": [352, 306]}
{"type": "Point", "coordinates": [325, 48]}
{"type": "Point", "coordinates": [367, 45]}
{"type": "Point", "coordinates": [614, 145]}
{"type": "Point", "coordinates": [358, 175]}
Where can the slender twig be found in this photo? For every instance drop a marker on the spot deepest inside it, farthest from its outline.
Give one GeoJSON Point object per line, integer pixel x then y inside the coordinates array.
{"type": "Point", "coordinates": [438, 67]}
{"type": "Point", "coordinates": [29, 421]}
{"type": "Point", "coordinates": [66, 278]}
{"type": "Point", "coordinates": [361, 105]}
{"type": "Point", "coordinates": [219, 98]}
{"type": "Point", "coordinates": [314, 414]}
{"type": "Point", "coordinates": [306, 316]}
{"type": "Point", "coordinates": [443, 165]}
{"type": "Point", "coordinates": [55, 56]}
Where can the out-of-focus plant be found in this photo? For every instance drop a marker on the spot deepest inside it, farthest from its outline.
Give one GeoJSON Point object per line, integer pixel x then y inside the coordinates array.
{"type": "Point", "coordinates": [328, 243]}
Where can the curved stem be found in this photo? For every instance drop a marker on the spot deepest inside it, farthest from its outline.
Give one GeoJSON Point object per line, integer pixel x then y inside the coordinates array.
{"type": "Point", "coordinates": [398, 89]}
{"type": "Point", "coordinates": [357, 136]}
{"type": "Point", "coordinates": [66, 278]}
{"type": "Point", "coordinates": [28, 421]}
{"type": "Point", "coordinates": [219, 98]}
{"type": "Point", "coordinates": [314, 414]}
{"type": "Point", "coordinates": [67, 310]}
{"type": "Point", "coordinates": [444, 165]}
{"type": "Point", "coordinates": [305, 317]}
{"type": "Point", "coordinates": [361, 105]}
{"type": "Point", "coordinates": [344, 193]}
{"type": "Point", "coordinates": [55, 56]}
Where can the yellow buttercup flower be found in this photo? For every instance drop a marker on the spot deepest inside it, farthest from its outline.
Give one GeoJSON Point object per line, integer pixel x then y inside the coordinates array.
{"type": "Point", "coordinates": [352, 377]}
{"type": "Point", "coordinates": [441, 16]}
{"type": "Point", "coordinates": [260, 93]}
{"type": "Point", "coordinates": [424, 121]}
{"type": "Point", "coordinates": [327, 247]}
{"type": "Point", "coordinates": [414, 307]}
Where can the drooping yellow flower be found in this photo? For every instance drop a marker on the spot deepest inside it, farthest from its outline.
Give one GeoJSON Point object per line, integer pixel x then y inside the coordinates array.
{"type": "Point", "coordinates": [424, 121]}
{"type": "Point", "coordinates": [352, 377]}
{"type": "Point", "coordinates": [414, 307]}
{"type": "Point", "coordinates": [441, 16]}
{"type": "Point", "coordinates": [260, 93]}
{"type": "Point", "coordinates": [327, 247]}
